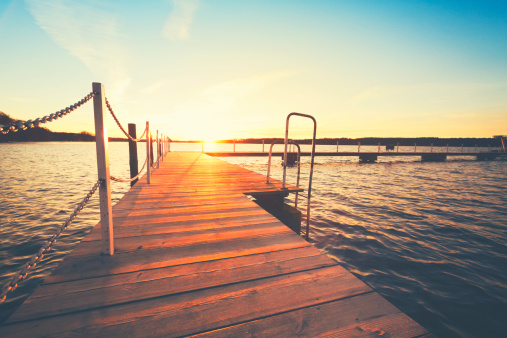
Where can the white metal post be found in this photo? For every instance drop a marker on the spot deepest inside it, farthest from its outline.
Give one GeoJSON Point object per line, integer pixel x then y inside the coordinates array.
{"type": "Point", "coordinates": [148, 160]}
{"type": "Point", "coordinates": [101, 143]}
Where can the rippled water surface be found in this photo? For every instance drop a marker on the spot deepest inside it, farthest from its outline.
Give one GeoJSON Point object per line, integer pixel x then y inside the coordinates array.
{"type": "Point", "coordinates": [429, 237]}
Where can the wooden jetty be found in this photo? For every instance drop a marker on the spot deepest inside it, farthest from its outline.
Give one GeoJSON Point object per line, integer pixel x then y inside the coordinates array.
{"type": "Point", "coordinates": [195, 256]}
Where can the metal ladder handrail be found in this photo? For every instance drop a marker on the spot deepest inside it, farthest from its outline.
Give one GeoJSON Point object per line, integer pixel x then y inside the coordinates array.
{"type": "Point", "coordinates": [311, 165]}
{"type": "Point", "coordinates": [299, 165]}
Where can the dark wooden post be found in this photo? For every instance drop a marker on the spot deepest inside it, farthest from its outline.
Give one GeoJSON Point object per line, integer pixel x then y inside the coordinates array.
{"type": "Point", "coordinates": [148, 158]}
{"type": "Point", "coordinates": [151, 150]}
{"type": "Point", "coordinates": [162, 146]}
{"type": "Point", "coordinates": [134, 169]}
{"type": "Point", "coordinates": [158, 151]}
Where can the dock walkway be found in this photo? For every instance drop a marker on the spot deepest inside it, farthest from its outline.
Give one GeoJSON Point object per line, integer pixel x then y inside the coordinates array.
{"type": "Point", "coordinates": [194, 256]}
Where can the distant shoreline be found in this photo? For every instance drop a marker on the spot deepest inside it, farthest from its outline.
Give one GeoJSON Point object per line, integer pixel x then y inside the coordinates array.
{"type": "Point", "coordinates": [48, 136]}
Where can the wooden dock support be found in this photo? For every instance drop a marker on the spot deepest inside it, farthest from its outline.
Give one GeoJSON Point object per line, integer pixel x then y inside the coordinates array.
{"type": "Point", "coordinates": [148, 157]}
{"type": "Point", "coordinates": [367, 158]}
{"type": "Point", "coordinates": [291, 159]}
{"type": "Point", "coordinates": [434, 157]}
{"type": "Point", "coordinates": [158, 150]}
{"type": "Point", "coordinates": [101, 143]}
{"type": "Point", "coordinates": [152, 158]}
{"type": "Point", "coordinates": [133, 160]}
{"type": "Point", "coordinates": [486, 156]}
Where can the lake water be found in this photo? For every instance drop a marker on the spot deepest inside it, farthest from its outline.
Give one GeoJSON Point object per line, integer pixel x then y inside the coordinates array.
{"type": "Point", "coordinates": [429, 237]}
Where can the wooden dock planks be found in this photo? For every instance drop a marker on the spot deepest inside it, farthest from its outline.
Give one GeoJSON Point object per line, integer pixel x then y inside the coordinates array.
{"type": "Point", "coordinates": [195, 256]}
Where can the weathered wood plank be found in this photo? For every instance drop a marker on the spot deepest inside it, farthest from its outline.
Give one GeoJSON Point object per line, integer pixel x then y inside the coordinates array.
{"type": "Point", "coordinates": [179, 239]}
{"type": "Point", "coordinates": [193, 209]}
{"type": "Point", "coordinates": [183, 226]}
{"type": "Point", "coordinates": [165, 202]}
{"type": "Point", "coordinates": [205, 216]}
{"type": "Point", "coordinates": [207, 309]}
{"type": "Point", "coordinates": [342, 318]}
{"type": "Point", "coordinates": [90, 266]}
{"type": "Point", "coordinates": [65, 299]}
{"type": "Point", "coordinates": [179, 270]}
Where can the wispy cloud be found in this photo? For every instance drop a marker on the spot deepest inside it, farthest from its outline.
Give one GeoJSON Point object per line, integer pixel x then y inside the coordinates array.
{"type": "Point", "coordinates": [217, 108]}
{"type": "Point", "coordinates": [177, 25]}
{"type": "Point", "coordinates": [221, 98]}
{"type": "Point", "coordinates": [88, 31]}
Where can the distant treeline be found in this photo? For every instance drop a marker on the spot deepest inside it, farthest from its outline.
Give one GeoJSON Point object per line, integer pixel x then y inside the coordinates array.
{"type": "Point", "coordinates": [38, 134]}
{"type": "Point", "coordinates": [42, 134]}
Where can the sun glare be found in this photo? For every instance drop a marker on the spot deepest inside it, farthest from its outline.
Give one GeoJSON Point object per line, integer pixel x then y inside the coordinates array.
{"type": "Point", "coordinates": [203, 128]}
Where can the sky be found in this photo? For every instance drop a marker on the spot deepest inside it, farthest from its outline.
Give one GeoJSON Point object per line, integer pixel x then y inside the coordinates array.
{"type": "Point", "coordinates": [222, 69]}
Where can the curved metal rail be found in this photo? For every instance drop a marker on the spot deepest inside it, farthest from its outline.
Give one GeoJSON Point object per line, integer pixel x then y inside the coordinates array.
{"type": "Point", "coordinates": [311, 165]}
{"type": "Point", "coordinates": [299, 165]}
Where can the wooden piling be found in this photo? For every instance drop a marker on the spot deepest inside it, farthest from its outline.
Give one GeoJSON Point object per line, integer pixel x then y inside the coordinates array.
{"type": "Point", "coordinates": [133, 161]}
{"type": "Point", "coordinates": [152, 158]}
{"type": "Point", "coordinates": [148, 158]}
{"type": "Point", "coordinates": [101, 142]}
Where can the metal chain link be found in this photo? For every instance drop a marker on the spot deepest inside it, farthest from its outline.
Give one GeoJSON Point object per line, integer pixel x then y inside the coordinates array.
{"type": "Point", "coordinates": [13, 283]}
{"type": "Point", "coordinates": [20, 125]}
{"type": "Point", "coordinates": [119, 124]}
{"type": "Point", "coordinates": [133, 178]}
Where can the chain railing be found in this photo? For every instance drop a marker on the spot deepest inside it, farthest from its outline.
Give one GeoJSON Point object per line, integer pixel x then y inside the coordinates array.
{"type": "Point", "coordinates": [13, 283]}
{"type": "Point", "coordinates": [119, 124]}
{"type": "Point", "coordinates": [103, 184]}
{"type": "Point", "coordinates": [133, 178]}
{"type": "Point", "coordinates": [22, 125]}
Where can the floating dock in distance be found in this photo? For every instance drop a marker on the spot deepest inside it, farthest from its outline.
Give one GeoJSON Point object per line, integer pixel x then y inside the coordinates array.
{"type": "Point", "coordinates": [196, 257]}
{"type": "Point", "coordinates": [370, 156]}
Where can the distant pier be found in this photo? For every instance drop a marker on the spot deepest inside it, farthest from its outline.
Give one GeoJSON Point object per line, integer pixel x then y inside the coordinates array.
{"type": "Point", "coordinates": [373, 156]}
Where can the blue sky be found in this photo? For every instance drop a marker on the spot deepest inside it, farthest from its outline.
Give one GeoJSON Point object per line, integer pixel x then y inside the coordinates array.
{"type": "Point", "coordinates": [219, 69]}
